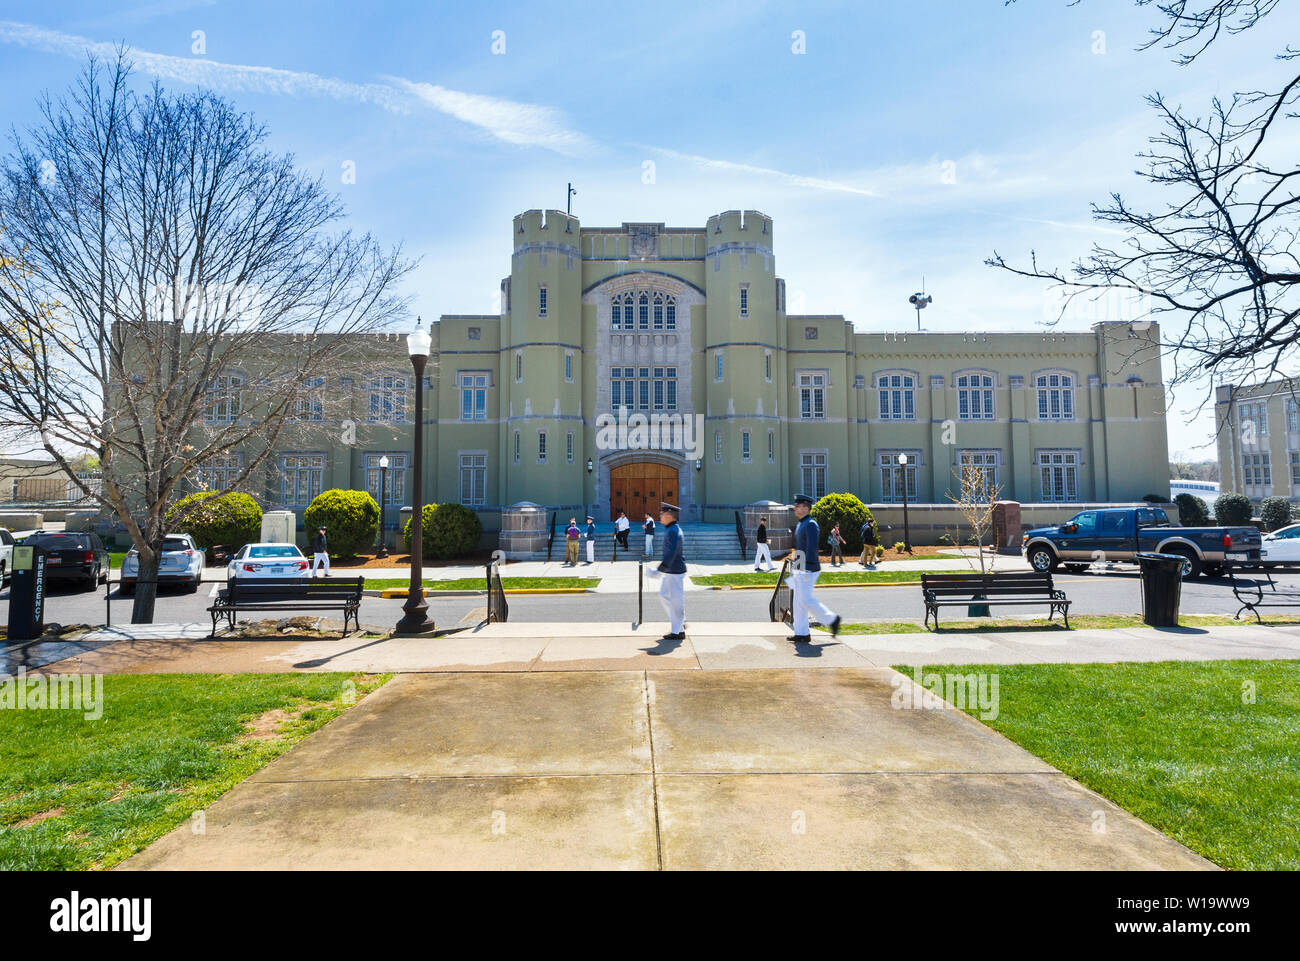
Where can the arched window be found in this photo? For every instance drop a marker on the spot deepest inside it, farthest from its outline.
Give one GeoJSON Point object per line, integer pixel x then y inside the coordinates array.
{"type": "Point", "coordinates": [659, 311]}
{"type": "Point", "coordinates": [643, 310]}
{"type": "Point", "coordinates": [974, 395]}
{"type": "Point", "coordinates": [1055, 395]}
{"type": "Point", "coordinates": [897, 395]}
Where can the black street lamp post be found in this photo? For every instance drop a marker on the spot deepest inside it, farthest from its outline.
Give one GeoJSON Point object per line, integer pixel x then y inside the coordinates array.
{"type": "Point", "coordinates": [383, 489]}
{"type": "Point", "coordinates": [416, 619]}
{"type": "Point", "coordinates": [907, 537]}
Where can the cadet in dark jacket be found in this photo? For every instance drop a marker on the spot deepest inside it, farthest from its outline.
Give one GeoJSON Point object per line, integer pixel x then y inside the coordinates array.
{"type": "Point", "coordinates": [672, 568]}
{"type": "Point", "coordinates": [808, 567]}
{"type": "Point", "coordinates": [320, 552]}
{"type": "Point", "coordinates": [764, 553]}
{"type": "Point", "coordinates": [649, 529]}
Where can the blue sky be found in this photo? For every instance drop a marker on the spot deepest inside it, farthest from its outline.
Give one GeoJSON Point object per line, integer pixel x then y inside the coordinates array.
{"type": "Point", "coordinates": [908, 139]}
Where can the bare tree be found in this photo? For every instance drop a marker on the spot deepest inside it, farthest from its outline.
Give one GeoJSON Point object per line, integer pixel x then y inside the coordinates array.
{"type": "Point", "coordinates": [150, 241]}
{"type": "Point", "coordinates": [1217, 263]}
{"type": "Point", "coordinates": [975, 497]}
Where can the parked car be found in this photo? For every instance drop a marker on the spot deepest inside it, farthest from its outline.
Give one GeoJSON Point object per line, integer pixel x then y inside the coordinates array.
{"type": "Point", "coordinates": [6, 556]}
{"type": "Point", "coordinates": [181, 562]}
{"type": "Point", "coordinates": [1119, 534]}
{"type": "Point", "coordinates": [72, 556]}
{"type": "Point", "coordinates": [268, 560]}
{"type": "Point", "coordinates": [1283, 544]}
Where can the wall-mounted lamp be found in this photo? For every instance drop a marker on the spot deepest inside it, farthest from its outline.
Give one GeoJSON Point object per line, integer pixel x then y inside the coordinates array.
{"type": "Point", "coordinates": [590, 466]}
{"type": "Point", "coordinates": [699, 464]}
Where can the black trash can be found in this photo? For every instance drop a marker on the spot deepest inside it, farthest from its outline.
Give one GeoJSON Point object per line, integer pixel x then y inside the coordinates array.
{"type": "Point", "coordinates": [1162, 587]}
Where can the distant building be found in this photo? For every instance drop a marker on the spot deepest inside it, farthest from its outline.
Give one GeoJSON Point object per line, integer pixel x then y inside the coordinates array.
{"type": "Point", "coordinates": [1206, 490]}
{"type": "Point", "coordinates": [1258, 430]}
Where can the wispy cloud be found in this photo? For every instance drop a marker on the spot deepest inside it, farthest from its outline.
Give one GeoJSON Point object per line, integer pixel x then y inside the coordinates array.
{"type": "Point", "coordinates": [512, 122]}
{"type": "Point", "coordinates": [798, 180]}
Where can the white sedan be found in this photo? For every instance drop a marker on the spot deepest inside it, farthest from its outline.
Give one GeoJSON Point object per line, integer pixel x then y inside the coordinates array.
{"type": "Point", "coordinates": [268, 560]}
{"type": "Point", "coordinates": [1282, 544]}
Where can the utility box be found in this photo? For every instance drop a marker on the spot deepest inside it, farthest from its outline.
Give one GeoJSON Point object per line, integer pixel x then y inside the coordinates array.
{"type": "Point", "coordinates": [279, 527]}
{"type": "Point", "coordinates": [1006, 526]}
{"type": "Point", "coordinates": [27, 594]}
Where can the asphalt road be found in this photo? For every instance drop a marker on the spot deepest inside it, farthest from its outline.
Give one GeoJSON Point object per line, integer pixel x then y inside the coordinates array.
{"type": "Point", "coordinates": [1114, 593]}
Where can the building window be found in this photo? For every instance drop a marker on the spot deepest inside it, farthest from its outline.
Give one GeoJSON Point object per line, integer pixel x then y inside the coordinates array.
{"type": "Point", "coordinates": [985, 462]}
{"type": "Point", "coordinates": [812, 395]}
{"type": "Point", "coordinates": [744, 446]}
{"type": "Point", "coordinates": [1295, 467]}
{"type": "Point", "coordinates": [386, 396]}
{"type": "Point", "coordinates": [744, 301]}
{"type": "Point", "coordinates": [767, 366]}
{"type": "Point", "coordinates": [541, 447]}
{"type": "Point", "coordinates": [893, 475]}
{"type": "Point", "coordinates": [473, 479]}
{"type": "Point", "coordinates": [638, 388]}
{"type": "Point", "coordinates": [1253, 417]}
{"type": "Point", "coordinates": [568, 448]}
{"type": "Point", "coordinates": [812, 466]}
{"type": "Point", "coordinates": [301, 476]}
{"type": "Point", "coordinates": [1055, 396]}
{"type": "Point", "coordinates": [568, 366]}
{"type": "Point", "coordinates": [1256, 470]}
{"type": "Point", "coordinates": [633, 311]}
{"type": "Point", "coordinates": [771, 447]}
{"type": "Point", "coordinates": [897, 396]}
{"type": "Point", "coordinates": [519, 366]}
{"type": "Point", "coordinates": [717, 366]}
{"type": "Point", "coordinates": [974, 396]}
{"type": "Point", "coordinates": [394, 478]}
{"type": "Point", "coordinates": [541, 301]}
{"type": "Point", "coordinates": [717, 447]}
{"type": "Point", "coordinates": [1292, 415]}
{"type": "Point", "coordinates": [516, 447]}
{"type": "Point", "coordinates": [1059, 474]}
{"type": "Point", "coordinates": [225, 398]}
{"type": "Point", "coordinates": [309, 404]}
{"type": "Point", "coordinates": [473, 394]}
{"type": "Point", "coordinates": [219, 473]}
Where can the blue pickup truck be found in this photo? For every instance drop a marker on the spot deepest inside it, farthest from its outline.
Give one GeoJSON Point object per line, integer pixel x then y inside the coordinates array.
{"type": "Point", "coordinates": [1118, 534]}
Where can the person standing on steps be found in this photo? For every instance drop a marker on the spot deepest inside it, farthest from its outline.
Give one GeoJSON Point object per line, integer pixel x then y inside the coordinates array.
{"type": "Point", "coordinates": [649, 528]}
{"type": "Point", "coordinates": [571, 535]}
{"type": "Point", "coordinates": [868, 558]}
{"type": "Point", "coordinates": [591, 540]}
{"type": "Point", "coordinates": [808, 567]}
{"type": "Point", "coordinates": [621, 528]}
{"type": "Point", "coordinates": [320, 552]}
{"type": "Point", "coordinates": [672, 568]}
{"type": "Point", "coordinates": [764, 552]}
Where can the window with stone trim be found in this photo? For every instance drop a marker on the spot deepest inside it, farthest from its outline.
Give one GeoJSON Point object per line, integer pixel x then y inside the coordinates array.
{"type": "Point", "coordinates": [975, 395]}
{"type": "Point", "coordinates": [812, 394]}
{"type": "Point", "coordinates": [1058, 474]}
{"type": "Point", "coordinates": [301, 478]}
{"type": "Point", "coordinates": [394, 478]}
{"type": "Point", "coordinates": [220, 472]}
{"type": "Point", "coordinates": [643, 310]}
{"type": "Point", "coordinates": [225, 398]}
{"type": "Point", "coordinates": [1055, 395]}
{"type": "Point", "coordinates": [812, 472]}
{"type": "Point", "coordinates": [473, 478]}
{"type": "Point", "coordinates": [386, 396]}
{"type": "Point", "coordinates": [897, 392]}
{"type": "Point", "coordinates": [894, 475]}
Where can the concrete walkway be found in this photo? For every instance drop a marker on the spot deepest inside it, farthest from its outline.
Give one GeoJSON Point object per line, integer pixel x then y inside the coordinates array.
{"type": "Point", "coordinates": [671, 769]}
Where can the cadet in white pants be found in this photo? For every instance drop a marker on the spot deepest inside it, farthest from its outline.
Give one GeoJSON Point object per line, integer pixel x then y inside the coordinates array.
{"type": "Point", "coordinates": [807, 541]}
{"type": "Point", "coordinates": [672, 568]}
{"type": "Point", "coordinates": [591, 540]}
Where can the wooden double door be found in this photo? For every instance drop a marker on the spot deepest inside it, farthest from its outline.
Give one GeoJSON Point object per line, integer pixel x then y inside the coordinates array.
{"type": "Point", "coordinates": [640, 488]}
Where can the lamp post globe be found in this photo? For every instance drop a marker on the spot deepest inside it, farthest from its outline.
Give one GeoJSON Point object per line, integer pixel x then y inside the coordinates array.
{"type": "Point", "coordinates": [415, 620]}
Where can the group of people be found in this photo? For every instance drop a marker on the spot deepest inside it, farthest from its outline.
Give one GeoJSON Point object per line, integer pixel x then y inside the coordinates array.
{"type": "Point", "coordinates": [802, 580]}
{"type": "Point", "coordinates": [573, 536]}
{"type": "Point", "coordinates": [763, 555]}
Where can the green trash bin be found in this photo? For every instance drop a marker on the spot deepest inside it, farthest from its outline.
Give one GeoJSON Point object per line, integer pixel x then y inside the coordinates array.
{"type": "Point", "coordinates": [1162, 587]}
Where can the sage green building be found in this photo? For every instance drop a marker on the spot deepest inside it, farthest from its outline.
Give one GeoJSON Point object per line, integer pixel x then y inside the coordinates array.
{"type": "Point", "coordinates": [1258, 433]}
{"type": "Point", "coordinates": [643, 362]}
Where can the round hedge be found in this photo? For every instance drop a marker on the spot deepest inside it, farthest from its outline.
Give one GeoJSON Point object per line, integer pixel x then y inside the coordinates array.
{"type": "Point", "coordinates": [847, 511]}
{"type": "Point", "coordinates": [449, 530]}
{"type": "Point", "coordinates": [231, 520]}
{"type": "Point", "coordinates": [1232, 508]}
{"type": "Point", "coordinates": [1192, 511]}
{"type": "Point", "coordinates": [1275, 512]}
{"type": "Point", "coordinates": [350, 518]}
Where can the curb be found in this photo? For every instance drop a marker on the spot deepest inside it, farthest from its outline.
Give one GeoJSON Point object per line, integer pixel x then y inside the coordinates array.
{"type": "Point", "coordinates": [768, 587]}
{"type": "Point", "coordinates": [389, 593]}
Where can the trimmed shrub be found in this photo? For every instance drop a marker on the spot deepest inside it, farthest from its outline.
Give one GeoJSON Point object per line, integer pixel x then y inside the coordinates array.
{"type": "Point", "coordinates": [900, 547]}
{"type": "Point", "coordinates": [944, 540]}
{"type": "Point", "coordinates": [847, 511]}
{"type": "Point", "coordinates": [1232, 509]}
{"type": "Point", "coordinates": [1155, 499]}
{"type": "Point", "coordinates": [1275, 512]}
{"type": "Point", "coordinates": [450, 530]}
{"type": "Point", "coordinates": [231, 520]}
{"type": "Point", "coordinates": [1192, 511]}
{"type": "Point", "coordinates": [350, 518]}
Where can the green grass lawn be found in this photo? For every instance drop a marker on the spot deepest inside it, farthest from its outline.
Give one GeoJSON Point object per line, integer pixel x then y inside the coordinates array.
{"type": "Point", "coordinates": [860, 576]}
{"type": "Point", "coordinates": [115, 560]}
{"type": "Point", "coordinates": [79, 794]}
{"type": "Point", "coordinates": [1176, 743]}
{"type": "Point", "coordinates": [984, 625]}
{"type": "Point", "coordinates": [480, 583]}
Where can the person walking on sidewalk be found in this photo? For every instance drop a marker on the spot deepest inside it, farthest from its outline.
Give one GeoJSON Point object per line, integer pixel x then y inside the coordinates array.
{"type": "Point", "coordinates": [672, 569]}
{"type": "Point", "coordinates": [868, 558]}
{"type": "Point", "coordinates": [807, 538]}
{"type": "Point", "coordinates": [621, 528]}
{"type": "Point", "coordinates": [837, 547]}
{"type": "Point", "coordinates": [591, 540]}
{"type": "Point", "coordinates": [571, 535]}
{"type": "Point", "coordinates": [649, 528]}
{"type": "Point", "coordinates": [320, 552]}
{"type": "Point", "coordinates": [764, 552]}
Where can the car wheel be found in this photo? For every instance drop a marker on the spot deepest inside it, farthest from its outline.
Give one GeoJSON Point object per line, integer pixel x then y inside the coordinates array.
{"type": "Point", "coordinates": [1212, 570]}
{"type": "Point", "coordinates": [93, 580]}
{"type": "Point", "coordinates": [193, 586]}
{"type": "Point", "coordinates": [1076, 568]}
{"type": "Point", "coordinates": [1042, 559]}
{"type": "Point", "coordinates": [1191, 564]}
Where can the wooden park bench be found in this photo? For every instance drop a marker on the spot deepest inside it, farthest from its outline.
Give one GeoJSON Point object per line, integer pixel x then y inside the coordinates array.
{"type": "Point", "coordinates": [1254, 587]}
{"type": "Point", "coordinates": [289, 594]}
{"type": "Point", "coordinates": [962, 589]}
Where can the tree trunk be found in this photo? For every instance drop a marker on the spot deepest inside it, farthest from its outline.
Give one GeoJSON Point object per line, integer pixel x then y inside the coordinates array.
{"type": "Point", "coordinates": [146, 587]}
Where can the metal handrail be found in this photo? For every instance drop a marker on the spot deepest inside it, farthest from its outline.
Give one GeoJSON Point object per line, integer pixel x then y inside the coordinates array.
{"type": "Point", "coordinates": [551, 540]}
{"type": "Point", "coordinates": [498, 610]}
{"type": "Point", "coordinates": [740, 536]}
{"type": "Point", "coordinates": [781, 607]}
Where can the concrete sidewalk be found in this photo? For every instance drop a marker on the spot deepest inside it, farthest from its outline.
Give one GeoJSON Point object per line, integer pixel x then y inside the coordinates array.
{"type": "Point", "coordinates": [660, 770]}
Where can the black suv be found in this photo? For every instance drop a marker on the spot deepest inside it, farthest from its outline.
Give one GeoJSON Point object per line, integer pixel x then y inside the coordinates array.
{"type": "Point", "coordinates": [72, 556]}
